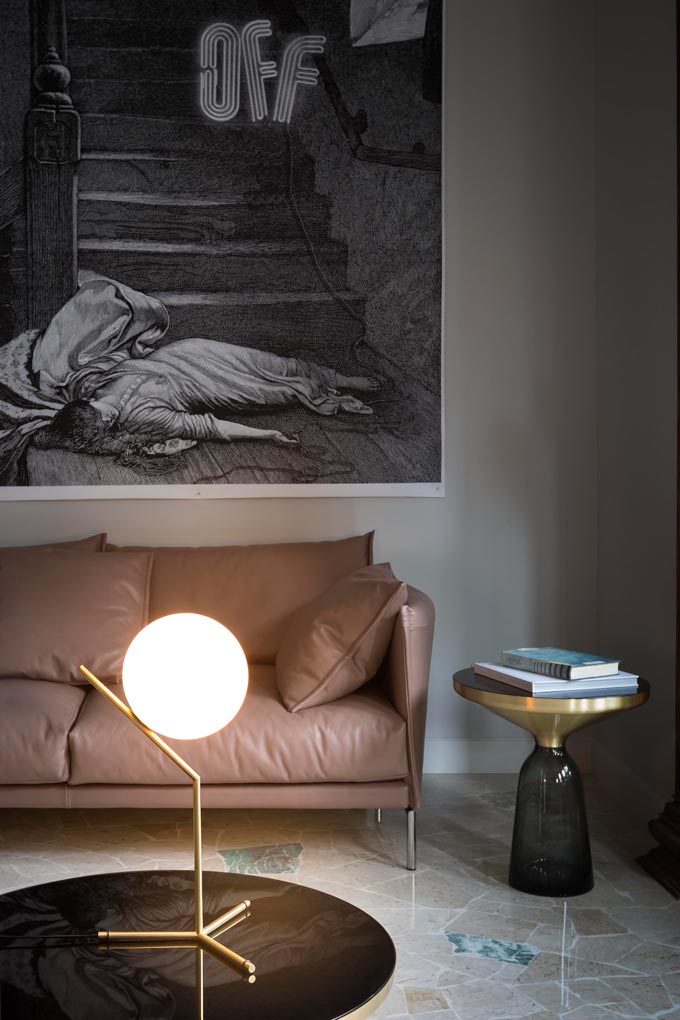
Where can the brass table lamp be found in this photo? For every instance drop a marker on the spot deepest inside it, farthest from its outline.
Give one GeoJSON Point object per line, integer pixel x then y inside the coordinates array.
{"type": "Point", "coordinates": [188, 675]}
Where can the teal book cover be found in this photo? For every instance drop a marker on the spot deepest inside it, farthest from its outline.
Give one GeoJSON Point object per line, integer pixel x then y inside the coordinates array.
{"type": "Point", "coordinates": [560, 655]}
{"type": "Point", "coordinates": [559, 662]}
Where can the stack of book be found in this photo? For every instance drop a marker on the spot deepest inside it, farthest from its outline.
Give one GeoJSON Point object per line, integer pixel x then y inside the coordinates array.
{"type": "Point", "coordinates": [558, 671]}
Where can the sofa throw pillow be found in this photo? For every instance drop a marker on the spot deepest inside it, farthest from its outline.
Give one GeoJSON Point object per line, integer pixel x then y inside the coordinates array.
{"type": "Point", "coordinates": [93, 543]}
{"type": "Point", "coordinates": [337, 642]}
{"type": "Point", "coordinates": [58, 610]}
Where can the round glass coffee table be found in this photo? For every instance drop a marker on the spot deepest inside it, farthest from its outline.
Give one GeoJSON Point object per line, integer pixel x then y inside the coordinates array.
{"type": "Point", "coordinates": [316, 957]}
{"type": "Point", "coordinates": [550, 845]}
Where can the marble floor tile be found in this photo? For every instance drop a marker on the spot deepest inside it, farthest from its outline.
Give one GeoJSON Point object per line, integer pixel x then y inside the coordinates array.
{"type": "Point", "coordinates": [645, 992]}
{"type": "Point", "coordinates": [485, 1000]}
{"type": "Point", "coordinates": [607, 948]}
{"type": "Point", "coordinates": [468, 946]}
{"type": "Point", "coordinates": [589, 1012]}
{"type": "Point", "coordinates": [594, 922]}
{"type": "Point", "coordinates": [442, 1014]}
{"type": "Point", "coordinates": [652, 958]}
{"type": "Point", "coordinates": [672, 983]}
{"type": "Point", "coordinates": [473, 922]}
{"type": "Point", "coordinates": [424, 1000]}
{"type": "Point", "coordinates": [555, 966]}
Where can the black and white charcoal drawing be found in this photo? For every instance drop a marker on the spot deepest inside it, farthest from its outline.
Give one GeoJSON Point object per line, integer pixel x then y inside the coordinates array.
{"type": "Point", "coordinates": [220, 248]}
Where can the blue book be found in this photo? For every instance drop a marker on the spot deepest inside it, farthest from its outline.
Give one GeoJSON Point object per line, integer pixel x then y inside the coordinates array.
{"type": "Point", "coordinates": [559, 662]}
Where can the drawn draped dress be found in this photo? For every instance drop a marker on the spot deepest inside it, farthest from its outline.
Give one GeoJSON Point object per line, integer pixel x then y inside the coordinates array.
{"type": "Point", "coordinates": [103, 346]}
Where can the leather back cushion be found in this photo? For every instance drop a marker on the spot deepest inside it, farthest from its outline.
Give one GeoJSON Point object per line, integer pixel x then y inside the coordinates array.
{"type": "Point", "coordinates": [336, 643]}
{"type": "Point", "coordinates": [58, 610]}
{"type": "Point", "coordinates": [253, 590]}
{"type": "Point", "coordinates": [94, 543]}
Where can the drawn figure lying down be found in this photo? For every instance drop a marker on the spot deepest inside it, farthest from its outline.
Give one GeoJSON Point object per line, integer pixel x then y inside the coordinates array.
{"type": "Point", "coordinates": [97, 378]}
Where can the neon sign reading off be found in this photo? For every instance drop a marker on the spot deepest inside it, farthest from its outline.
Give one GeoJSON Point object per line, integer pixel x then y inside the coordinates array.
{"type": "Point", "coordinates": [224, 49]}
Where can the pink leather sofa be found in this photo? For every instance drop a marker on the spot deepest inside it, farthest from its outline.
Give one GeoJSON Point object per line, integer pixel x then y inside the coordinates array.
{"type": "Point", "coordinates": [63, 745]}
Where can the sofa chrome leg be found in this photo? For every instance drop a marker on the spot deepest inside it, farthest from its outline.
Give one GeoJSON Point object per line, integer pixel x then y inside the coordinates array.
{"type": "Point", "coordinates": [378, 816]}
{"type": "Point", "coordinates": [411, 839]}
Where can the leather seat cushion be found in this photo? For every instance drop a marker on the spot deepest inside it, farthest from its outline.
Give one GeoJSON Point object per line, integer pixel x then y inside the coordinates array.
{"type": "Point", "coordinates": [360, 738]}
{"type": "Point", "coordinates": [35, 719]}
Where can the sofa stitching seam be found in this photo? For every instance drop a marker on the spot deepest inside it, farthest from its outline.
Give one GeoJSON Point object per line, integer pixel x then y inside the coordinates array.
{"type": "Point", "coordinates": [415, 785]}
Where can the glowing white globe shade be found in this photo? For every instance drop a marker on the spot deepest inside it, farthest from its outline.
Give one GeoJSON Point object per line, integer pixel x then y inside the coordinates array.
{"type": "Point", "coordinates": [185, 676]}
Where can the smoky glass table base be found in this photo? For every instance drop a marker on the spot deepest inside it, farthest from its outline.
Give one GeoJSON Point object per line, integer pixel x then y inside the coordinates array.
{"type": "Point", "coordinates": [550, 845]}
{"type": "Point", "coordinates": [317, 957]}
{"type": "Point", "coordinates": [550, 853]}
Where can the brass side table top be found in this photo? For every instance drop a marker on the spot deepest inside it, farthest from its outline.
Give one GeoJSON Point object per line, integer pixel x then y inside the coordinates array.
{"type": "Point", "coordinates": [548, 718]}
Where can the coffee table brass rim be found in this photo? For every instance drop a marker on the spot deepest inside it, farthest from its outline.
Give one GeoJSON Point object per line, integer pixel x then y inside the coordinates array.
{"type": "Point", "coordinates": [567, 706]}
{"type": "Point", "coordinates": [366, 1010]}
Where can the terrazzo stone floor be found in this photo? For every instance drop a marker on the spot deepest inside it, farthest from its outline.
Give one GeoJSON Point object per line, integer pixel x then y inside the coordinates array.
{"type": "Point", "coordinates": [468, 946]}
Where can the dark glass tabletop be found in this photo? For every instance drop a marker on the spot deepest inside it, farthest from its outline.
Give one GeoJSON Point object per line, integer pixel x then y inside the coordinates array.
{"type": "Point", "coordinates": [317, 957]}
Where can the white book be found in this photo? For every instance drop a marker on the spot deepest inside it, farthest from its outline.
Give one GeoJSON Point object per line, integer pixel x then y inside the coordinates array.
{"type": "Point", "coordinates": [537, 684]}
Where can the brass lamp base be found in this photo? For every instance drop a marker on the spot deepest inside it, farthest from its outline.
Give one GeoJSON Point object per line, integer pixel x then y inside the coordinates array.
{"type": "Point", "coordinates": [203, 940]}
{"type": "Point", "coordinates": [203, 936]}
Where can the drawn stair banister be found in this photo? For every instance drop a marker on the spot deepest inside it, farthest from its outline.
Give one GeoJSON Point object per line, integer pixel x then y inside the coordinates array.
{"type": "Point", "coordinates": [52, 157]}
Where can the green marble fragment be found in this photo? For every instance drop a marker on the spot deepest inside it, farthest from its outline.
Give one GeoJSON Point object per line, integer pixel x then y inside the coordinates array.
{"type": "Point", "coordinates": [275, 859]}
{"type": "Point", "coordinates": [493, 949]}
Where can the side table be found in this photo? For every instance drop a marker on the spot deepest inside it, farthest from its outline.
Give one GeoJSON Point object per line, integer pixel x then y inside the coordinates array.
{"type": "Point", "coordinates": [550, 845]}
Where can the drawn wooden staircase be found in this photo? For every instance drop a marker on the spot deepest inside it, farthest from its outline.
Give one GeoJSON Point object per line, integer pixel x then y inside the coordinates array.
{"type": "Point", "coordinates": [195, 212]}
{"type": "Point", "coordinates": [222, 221]}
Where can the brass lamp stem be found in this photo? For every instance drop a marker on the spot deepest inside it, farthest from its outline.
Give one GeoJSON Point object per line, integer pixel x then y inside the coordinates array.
{"type": "Point", "coordinates": [202, 936]}
{"type": "Point", "coordinates": [198, 857]}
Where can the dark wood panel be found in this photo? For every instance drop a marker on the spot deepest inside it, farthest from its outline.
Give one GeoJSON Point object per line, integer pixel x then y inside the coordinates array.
{"type": "Point", "coordinates": [164, 12]}
{"type": "Point", "coordinates": [163, 266]}
{"type": "Point", "coordinates": [663, 861]}
{"type": "Point", "coordinates": [177, 98]}
{"type": "Point", "coordinates": [170, 133]}
{"type": "Point", "coordinates": [11, 194]}
{"type": "Point", "coordinates": [106, 214]}
{"type": "Point", "coordinates": [52, 159]}
{"type": "Point", "coordinates": [116, 63]}
{"type": "Point", "coordinates": [284, 324]}
{"type": "Point", "coordinates": [230, 177]}
{"type": "Point", "coordinates": [88, 32]}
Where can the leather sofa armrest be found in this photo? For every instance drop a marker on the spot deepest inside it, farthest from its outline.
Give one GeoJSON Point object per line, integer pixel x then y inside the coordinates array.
{"type": "Point", "coordinates": [406, 674]}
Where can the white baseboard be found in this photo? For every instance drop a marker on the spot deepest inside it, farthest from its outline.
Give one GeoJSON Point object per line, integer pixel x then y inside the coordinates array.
{"type": "Point", "coordinates": [476, 755]}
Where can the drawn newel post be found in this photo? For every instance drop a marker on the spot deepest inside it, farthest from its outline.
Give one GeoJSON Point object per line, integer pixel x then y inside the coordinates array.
{"type": "Point", "coordinates": [52, 157]}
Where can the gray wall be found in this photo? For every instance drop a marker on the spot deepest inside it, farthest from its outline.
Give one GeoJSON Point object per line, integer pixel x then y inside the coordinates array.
{"type": "Point", "coordinates": [509, 554]}
{"type": "Point", "coordinates": [636, 276]}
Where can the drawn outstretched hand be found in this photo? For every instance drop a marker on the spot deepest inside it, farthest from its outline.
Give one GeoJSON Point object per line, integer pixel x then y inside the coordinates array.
{"type": "Point", "coordinates": [287, 438]}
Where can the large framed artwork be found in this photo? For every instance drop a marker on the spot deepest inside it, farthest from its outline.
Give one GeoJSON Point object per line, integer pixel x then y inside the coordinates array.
{"type": "Point", "coordinates": [220, 248]}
